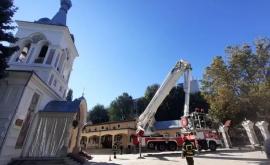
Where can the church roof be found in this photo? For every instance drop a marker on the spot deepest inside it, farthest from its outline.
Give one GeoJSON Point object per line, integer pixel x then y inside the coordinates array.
{"type": "Point", "coordinates": [63, 106]}
{"type": "Point", "coordinates": [60, 17]}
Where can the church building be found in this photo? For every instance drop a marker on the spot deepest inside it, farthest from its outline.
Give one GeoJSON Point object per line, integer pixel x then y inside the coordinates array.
{"type": "Point", "coordinates": [35, 118]}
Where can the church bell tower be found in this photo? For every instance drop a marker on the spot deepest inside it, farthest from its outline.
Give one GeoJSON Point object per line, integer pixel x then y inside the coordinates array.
{"type": "Point", "coordinates": [47, 48]}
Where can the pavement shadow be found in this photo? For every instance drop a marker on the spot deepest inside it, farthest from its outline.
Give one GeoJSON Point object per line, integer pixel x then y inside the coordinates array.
{"type": "Point", "coordinates": [235, 158]}
{"type": "Point", "coordinates": [100, 163]}
{"type": "Point", "coordinates": [161, 157]}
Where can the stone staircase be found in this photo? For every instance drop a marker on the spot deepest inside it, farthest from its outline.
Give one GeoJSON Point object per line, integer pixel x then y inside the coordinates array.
{"type": "Point", "coordinates": [44, 161]}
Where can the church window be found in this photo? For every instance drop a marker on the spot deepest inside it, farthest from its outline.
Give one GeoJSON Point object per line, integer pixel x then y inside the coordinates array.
{"type": "Point", "coordinates": [60, 65]}
{"type": "Point", "coordinates": [23, 55]}
{"type": "Point", "coordinates": [51, 79]}
{"type": "Point", "coordinates": [68, 75]}
{"type": "Point", "coordinates": [56, 61]}
{"type": "Point", "coordinates": [26, 123]}
{"type": "Point", "coordinates": [42, 54]}
{"type": "Point", "coordinates": [60, 89]}
{"type": "Point", "coordinates": [54, 83]}
{"type": "Point", "coordinates": [30, 54]}
{"type": "Point", "coordinates": [50, 56]}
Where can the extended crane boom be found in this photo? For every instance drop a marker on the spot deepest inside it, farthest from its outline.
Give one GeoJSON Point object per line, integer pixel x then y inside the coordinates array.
{"type": "Point", "coordinates": [147, 118]}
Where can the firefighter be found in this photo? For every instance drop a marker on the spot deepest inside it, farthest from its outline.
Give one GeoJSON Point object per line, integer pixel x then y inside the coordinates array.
{"type": "Point", "coordinates": [188, 151]}
{"type": "Point", "coordinates": [267, 147]}
{"type": "Point", "coordinates": [115, 148]}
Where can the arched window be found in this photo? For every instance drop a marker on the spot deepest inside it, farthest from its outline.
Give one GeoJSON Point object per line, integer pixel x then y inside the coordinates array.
{"type": "Point", "coordinates": [23, 55]}
{"type": "Point", "coordinates": [42, 54]}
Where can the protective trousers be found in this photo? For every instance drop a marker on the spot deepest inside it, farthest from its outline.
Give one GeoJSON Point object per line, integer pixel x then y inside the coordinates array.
{"type": "Point", "coordinates": [190, 160]}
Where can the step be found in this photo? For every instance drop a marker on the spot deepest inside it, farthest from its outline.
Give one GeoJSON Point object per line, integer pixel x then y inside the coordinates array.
{"type": "Point", "coordinates": [38, 161]}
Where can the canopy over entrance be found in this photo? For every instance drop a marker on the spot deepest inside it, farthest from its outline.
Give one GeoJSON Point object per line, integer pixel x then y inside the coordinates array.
{"type": "Point", "coordinates": [56, 130]}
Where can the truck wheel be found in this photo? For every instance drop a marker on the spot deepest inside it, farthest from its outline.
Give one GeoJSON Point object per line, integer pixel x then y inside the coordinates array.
{"type": "Point", "coordinates": [151, 145]}
{"type": "Point", "coordinates": [161, 147]}
{"type": "Point", "coordinates": [212, 146]}
{"type": "Point", "coordinates": [172, 146]}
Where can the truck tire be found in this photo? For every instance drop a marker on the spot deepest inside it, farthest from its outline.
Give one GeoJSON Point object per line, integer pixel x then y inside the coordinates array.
{"type": "Point", "coordinates": [151, 145]}
{"type": "Point", "coordinates": [172, 146]}
{"type": "Point", "coordinates": [203, 145]}
{"type": "Point", "coordinates": [161, 146]}
{"type": "Point", "coordinates": [212, 146]}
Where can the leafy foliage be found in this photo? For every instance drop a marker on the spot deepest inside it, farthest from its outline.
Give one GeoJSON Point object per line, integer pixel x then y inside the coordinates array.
{"type": "Point", "coordinates": [139, 105]}
{"type": "Point", "coordinates": [98, 114]}
{"type": "Point", "coordinates": [69, 95]}
{"type": "Point", "coordinates": [7, 11]}
{"type": "Point", "coordinates": [240, 87]}
{"type": "Point", "coordinates": [150, 92]}
{"type": "Point", "coordinates": [122, 108]}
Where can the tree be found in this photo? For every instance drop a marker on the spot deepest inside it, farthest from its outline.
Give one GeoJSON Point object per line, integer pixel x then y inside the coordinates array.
{"type": "Point", "coordinates": [172, 106]}
{"type": "Point", "coordinates": [139, 105]}
{"type": "Point", "coordinates": [69, 95]}
{"type": "Point", "coordinates": [240, 87]}
{"type": "Point", "coordinates": [150, 92]}
{"type": "Point", "coordinates": [98, 114]}
{"type": "Point", "coordinates": [122, 108]}
{"type": "Point", "coordinates": [197, 100]}
{"type": "Point", "coordinates": [7, 11]}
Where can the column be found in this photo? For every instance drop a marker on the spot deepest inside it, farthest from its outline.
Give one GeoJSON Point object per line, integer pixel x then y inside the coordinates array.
{"type": "Point", "coordinates": [99, 141]}
{"type": "Point", "coordinates": [248, 125]}
{"type": "Point", "coordinates": [112, 140]}
{"type": "Point", "coordinates": [263, 126]}
{"type": "Point", "coordinates": [226, 138]}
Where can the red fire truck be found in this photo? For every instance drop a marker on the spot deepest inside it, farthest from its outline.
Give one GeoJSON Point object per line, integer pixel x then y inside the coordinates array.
{"type": "Point", "coordinates": [193, 126]}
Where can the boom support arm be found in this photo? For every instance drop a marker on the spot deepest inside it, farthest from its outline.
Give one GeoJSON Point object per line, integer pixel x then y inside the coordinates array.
{"type": "Point", "coordinates": [147, 118]}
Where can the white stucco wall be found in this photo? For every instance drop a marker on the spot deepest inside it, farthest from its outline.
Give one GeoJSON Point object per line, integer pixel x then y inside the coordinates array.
{"type": "Point", "coordinates": [35, 85]}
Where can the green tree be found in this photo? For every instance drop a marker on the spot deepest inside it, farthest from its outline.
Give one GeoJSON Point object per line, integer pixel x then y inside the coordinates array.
{"type": "Point", "coordinates": [197, 100]}
{"type": "Point", "coordinates": [98, 114]}
{"type": "Point", "coordinates": [150, 92]}
{"type": "Point", "coordinates": [69, 95]}
{"type": "Point", "coordinates": [240, 87]}
{"type": "Point", "coordinates": [7, 11]}
{"type": "Point", "coordinates": [172, 106]}
{"type": "Point", "coordinates": [140, 105]}
{"type": "Point", "coordinates": [122, 108]}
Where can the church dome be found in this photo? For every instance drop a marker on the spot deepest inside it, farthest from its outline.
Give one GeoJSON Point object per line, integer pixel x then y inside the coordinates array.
{"type": "Point", "coordinates": [60, 18]}
{"type": "Point", "coordinates": [44, 21]}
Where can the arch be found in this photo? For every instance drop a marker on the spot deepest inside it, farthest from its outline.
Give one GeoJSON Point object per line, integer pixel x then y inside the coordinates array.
{"type": "Point", "coordinates": [36, 37]}
{"type": "Point", "coordinates": [93, 141]}
{"type": "Point", "coordinates": [43, 51]}
{"type": "Point", "coordinates": [107, 141]}
{"type": "Point", "coordinates": [24, 51]}
{"type": "Point", "coordinates": [121, 139]}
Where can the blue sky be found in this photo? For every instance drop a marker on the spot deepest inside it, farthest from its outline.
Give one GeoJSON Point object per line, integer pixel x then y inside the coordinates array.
{"type": "Point", "coordinates": [126, 45]}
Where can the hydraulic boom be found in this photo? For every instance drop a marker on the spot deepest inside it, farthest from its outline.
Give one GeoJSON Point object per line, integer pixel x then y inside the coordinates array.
{"type": "Point", "coordinates": [147, 118]}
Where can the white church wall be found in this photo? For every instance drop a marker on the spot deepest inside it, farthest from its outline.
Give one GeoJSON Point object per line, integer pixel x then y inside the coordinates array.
{"type": "Point", "coordinates": [13, 92]}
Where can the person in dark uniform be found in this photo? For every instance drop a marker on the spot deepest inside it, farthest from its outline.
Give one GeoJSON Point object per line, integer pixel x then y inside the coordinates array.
{"type": "Point", "coordinates": [115, 148]}
{"type": "Point", "coordinates": [267, 147]}
{"type": "Point", "coordinates": [188, 152]}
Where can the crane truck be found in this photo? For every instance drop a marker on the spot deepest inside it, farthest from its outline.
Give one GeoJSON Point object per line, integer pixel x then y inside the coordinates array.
{"type": "Point", "coordinates": [193, 126]}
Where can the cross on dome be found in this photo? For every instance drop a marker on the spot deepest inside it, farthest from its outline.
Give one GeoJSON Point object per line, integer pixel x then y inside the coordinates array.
{"type": "Point", "coordinates": [60, 17]}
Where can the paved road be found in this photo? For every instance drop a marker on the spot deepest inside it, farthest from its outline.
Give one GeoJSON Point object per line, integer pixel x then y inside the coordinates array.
{"type": "Point", "coordinates": [221, 157]}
